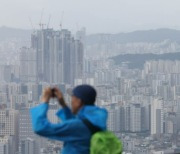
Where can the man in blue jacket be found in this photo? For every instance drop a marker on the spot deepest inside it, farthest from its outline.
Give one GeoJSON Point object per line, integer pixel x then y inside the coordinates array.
{"type": "Point", "coordinates": [72, 129]}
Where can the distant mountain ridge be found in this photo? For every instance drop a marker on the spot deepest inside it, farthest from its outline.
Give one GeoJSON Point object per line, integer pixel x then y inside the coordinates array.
{"type": "Point", "coordinates": [8, 33]}
{"type": "Point", "coordinates": [138, 60]}
{"type": "Point", "coordinates": [152, 36]}
{"type": "Point", "coordinates": [136, 36]}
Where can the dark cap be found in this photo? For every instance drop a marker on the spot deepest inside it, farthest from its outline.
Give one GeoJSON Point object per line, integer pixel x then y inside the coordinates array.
{"type": "Point", "coordinates": [86, 93]}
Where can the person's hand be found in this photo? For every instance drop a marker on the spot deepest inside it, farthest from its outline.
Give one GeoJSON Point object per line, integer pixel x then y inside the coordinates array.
{"type": "Point", "coordinates": [46, 95]}
{"type": "Point", "coordinates": [58, 94]}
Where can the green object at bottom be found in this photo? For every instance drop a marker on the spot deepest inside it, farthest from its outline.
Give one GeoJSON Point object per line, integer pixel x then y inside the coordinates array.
{"type": "Point", "coordinates": [105, 142]}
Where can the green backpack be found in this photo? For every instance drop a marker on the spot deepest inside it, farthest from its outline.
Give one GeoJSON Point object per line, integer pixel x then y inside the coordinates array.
{"type": "Point", "coordinates": [103, 142]}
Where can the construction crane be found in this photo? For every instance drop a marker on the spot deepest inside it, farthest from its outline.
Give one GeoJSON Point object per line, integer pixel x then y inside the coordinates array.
{"type": "Point", "coordinates": [31, 24]}
{"type": "Point", "coordinates": [41, 25]}
{"type": "Point", "coordinates": [48, 21]}
{"type": "Point", "coordinates": [78, 31]}
{"type": "Point", "coordinates": [61, 22]}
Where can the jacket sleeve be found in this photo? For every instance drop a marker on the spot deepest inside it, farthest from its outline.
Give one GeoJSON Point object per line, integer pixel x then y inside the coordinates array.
{"type": "Point", "coordinates": [71, 130]}
{"type": "Point", "coordinates": [65, 114]}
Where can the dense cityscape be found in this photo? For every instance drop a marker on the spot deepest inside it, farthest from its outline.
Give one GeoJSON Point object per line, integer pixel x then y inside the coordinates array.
{"type": "Point", "coordinates": [142, 103]}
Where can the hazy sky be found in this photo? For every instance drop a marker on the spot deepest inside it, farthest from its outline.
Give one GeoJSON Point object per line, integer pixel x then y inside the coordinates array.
{"type": "Point", "coordinates": [110, 16]}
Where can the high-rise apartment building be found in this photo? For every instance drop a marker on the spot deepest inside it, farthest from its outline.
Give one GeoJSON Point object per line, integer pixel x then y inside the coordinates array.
{"type": "Point", "coordinates": [59, 56]}
{"type": "Point", "coordinates": [28, 72]}
{"type": "Point", "coordinates": [7, 144]}
{"type": "Point", "coordinates": [28, 146]}
{"type": "Point", "coordinates": [28, 141]}
{"type": "Point", "coordinates": [157, 117]}
{"type": "Point", "coordinates": [135, 118]}
{"type": "Point", "coordinates": [9, 125]}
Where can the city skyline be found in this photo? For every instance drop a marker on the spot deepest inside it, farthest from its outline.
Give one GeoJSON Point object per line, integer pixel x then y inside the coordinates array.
{"type": "Point", "coordinates": [142, 101]}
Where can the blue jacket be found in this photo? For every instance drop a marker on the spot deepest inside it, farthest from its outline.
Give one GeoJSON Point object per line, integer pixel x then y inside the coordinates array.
{"type": "Point", "coordinates": [71, 130]}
